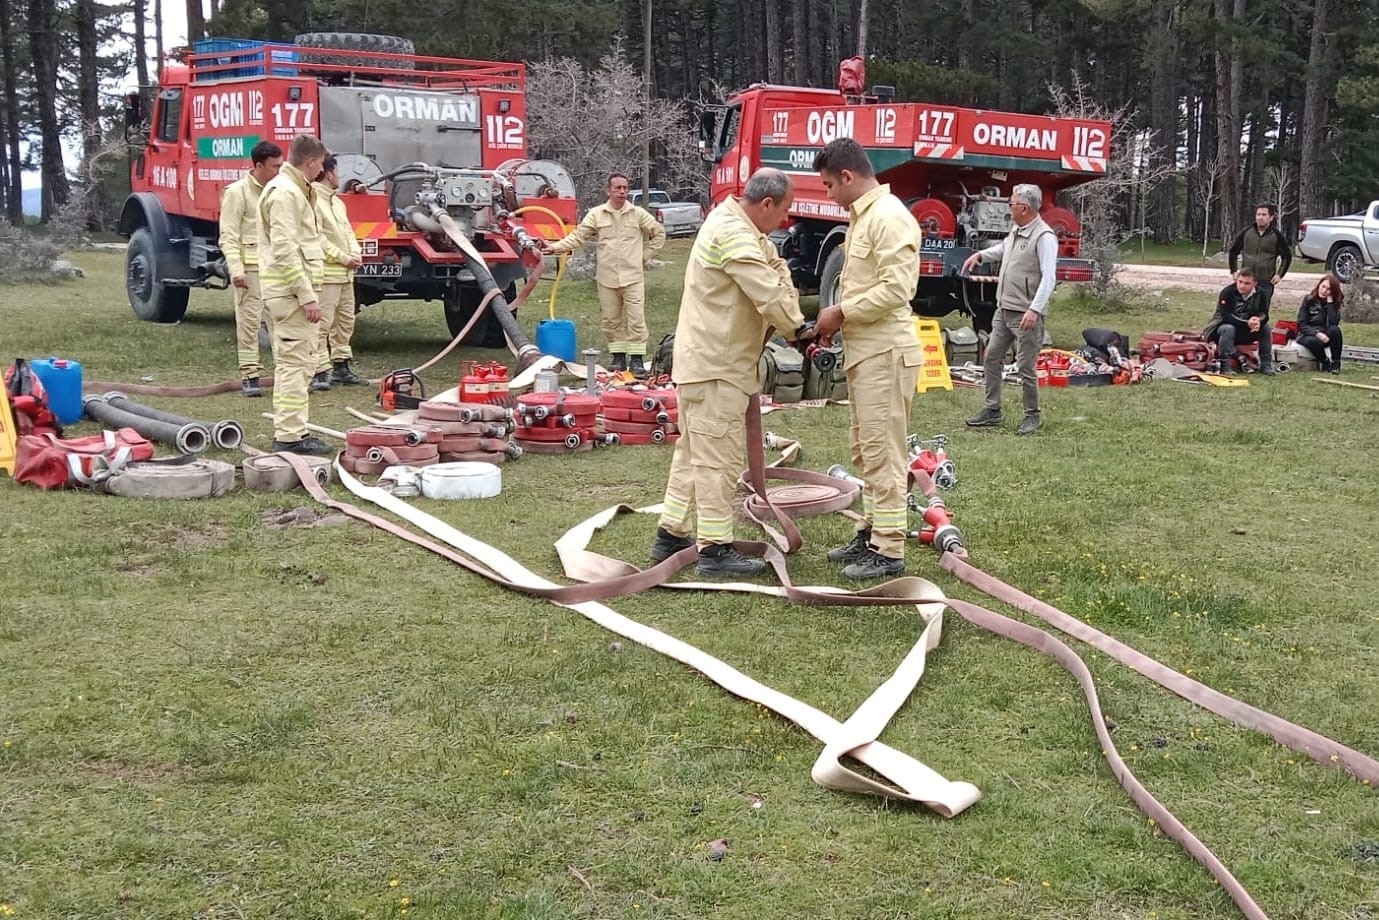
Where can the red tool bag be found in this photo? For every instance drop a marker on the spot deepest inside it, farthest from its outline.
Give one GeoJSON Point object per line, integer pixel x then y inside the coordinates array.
{"type": "Point", "coordinates": [50, 462]}
{"type": "Point", "coordinates": [1186, 348]}
{"type": "Point", "coordinates": [29, 401]}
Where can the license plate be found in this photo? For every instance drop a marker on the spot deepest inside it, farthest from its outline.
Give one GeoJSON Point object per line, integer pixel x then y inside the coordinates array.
{"type": "Point", "coordinates": [939, 243]}
{"type": "Point", "coordinates": [380, 270]}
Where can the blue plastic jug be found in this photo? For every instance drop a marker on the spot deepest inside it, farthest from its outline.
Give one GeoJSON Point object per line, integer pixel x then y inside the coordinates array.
{"type": "Point", "coordinates": [61, 377]}
{"type": "Point", "coordinates": [556, 337]}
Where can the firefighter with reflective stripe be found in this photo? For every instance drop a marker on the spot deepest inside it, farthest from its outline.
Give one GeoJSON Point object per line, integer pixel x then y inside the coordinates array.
{"type": "Point", "coordinates": [239, 243]}
{"type": "Point", "coordinates": [628, 238]}
{"type": "Point", "coordinates": [736, 286]}
{"type": "Point", "coordinates": [882, 357]}
{"type": "Point", "coordinates": [343, 256]}
{"type": "Point", "coordinates": [292, 270]}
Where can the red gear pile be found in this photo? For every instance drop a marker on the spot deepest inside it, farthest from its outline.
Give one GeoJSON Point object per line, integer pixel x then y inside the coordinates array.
{"type": "Point", "coordinates": [642, 415]}
{"type": "Point", "coordinates": [371, 449]}
{"type": "Point", "coordinates": [471, 432]}
{"type": "Point", "coordinates": [556, 423]}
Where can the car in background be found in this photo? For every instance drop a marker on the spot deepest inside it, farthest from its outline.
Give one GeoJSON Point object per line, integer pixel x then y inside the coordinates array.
{"type": "Point", "coordinates": [1347, 244]}
{"type": "Point", "coordinates": [680, 218]}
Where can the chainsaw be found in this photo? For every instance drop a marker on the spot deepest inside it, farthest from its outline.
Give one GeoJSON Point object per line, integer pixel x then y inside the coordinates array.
{"type": "Point", "coordinates": [401, 389]}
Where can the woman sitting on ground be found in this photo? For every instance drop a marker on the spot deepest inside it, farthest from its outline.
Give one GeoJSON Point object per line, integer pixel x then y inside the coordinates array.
{"type": "Point", "coordinates": [1319, 323]}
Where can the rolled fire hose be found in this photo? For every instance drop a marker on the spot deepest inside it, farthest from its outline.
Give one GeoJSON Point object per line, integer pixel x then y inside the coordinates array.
{"type": "Point", "coordinates": [189, 439]}
{"type": "Point", "coordinates": [226, 433]}
{"type": "Point", "coordinates": [271, 473]}
{"type": "Point", "coordinates": [197, 478]}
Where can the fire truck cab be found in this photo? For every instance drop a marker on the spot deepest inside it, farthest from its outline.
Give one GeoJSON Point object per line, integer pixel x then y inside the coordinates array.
{"type": "Point", "coordinates": [409, 130]}
{"type": "Point", "coordinates": [953, 167]}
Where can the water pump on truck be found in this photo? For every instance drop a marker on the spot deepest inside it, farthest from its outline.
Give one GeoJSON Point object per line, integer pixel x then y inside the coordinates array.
{"type": "Point", "coordinates": [433, 169]}
{"type": "Point", "coordinates": [953, 167]}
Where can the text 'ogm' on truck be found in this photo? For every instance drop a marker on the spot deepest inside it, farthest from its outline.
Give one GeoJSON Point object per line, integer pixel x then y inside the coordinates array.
{"type": "Point", "coordinates": [433, 162]}
{"type": "Point", "coordinates": [953, 167]}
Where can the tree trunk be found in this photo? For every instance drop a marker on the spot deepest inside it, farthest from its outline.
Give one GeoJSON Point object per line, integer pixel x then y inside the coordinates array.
{"type": "Point", "coordinates": [89, 103]}
{"type": "Point", "coordinates": [1317, 86]}
{"type": "Point", "coordinates": [1163, 110]}
{"type": "Point", "coordinates": [158, 39]}
{"type": "Point", "coordinates": [801, 42]}
{"type": "Point", "coordinates": [43, 48]}
{"type": "Point", "coordinates": [14, 197]}
{"type": "Point", "coordinates": [196, 21]}
{"type": "Point", "coordinates": [862, 12]}
{"type": "Point", "coordinates": [1229, 76]}
{"type": "Point", "coordinates": [775, 59]}
{"type": "Point", "coordinates": [141, 52]}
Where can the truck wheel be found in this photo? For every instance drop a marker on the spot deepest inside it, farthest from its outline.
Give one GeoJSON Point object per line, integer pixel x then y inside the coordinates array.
{"type": "Point", "coordinates": [461, 300]}
{"type": "Point", "coordinates": [354, 41]}
{"type": "Point", "coordinates": [1346, 262]}
{"type": "Point", "coordinates": [830, 278]}
{"type": "Point", "coordinates": [152, 301]}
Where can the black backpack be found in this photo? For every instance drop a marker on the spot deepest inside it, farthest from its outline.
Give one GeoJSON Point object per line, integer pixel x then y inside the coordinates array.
{"type": "Point", "coordinates": [661, 359]}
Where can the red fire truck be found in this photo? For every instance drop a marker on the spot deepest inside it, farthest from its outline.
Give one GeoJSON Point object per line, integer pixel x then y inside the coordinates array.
{"type": "Point", "coordinates": [429, 147]}
{"type": "Point", "coordinates": [953, 167]}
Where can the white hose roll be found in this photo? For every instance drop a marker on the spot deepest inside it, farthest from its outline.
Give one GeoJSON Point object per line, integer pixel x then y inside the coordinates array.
{"type": "Point", "coordinates": [461, 480]}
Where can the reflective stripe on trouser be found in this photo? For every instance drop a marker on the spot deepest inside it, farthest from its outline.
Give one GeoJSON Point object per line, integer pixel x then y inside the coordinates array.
{"type": "Point", "coordinates": [880, 390]}
{"type": "Point", "coordinates": [1005, 329]}
{"type": "Point", "coordinates": [709, 456]}
{"type": "Point", "coordinates": [249, 315]}
{"type": "Point", "coordinates": [342, 330]}
{"type": "Point", "coordinates": [623, 311]}
{"type": "Point", "coordinates": [331, 296]}
{"type": "Point", "coordinates": [294, 353]}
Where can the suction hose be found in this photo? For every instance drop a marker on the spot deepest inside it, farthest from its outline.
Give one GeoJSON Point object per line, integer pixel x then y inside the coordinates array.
{"type": "Point", "coordinates": [226, 433]}
{"type": "Point", "coordinates": [526, 352]}
{"type": "Point", "coordinates": [189, 439]}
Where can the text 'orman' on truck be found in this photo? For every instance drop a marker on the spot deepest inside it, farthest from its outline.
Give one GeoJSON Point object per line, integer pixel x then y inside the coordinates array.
{"type": "Point", "coordinates": [953, 167]}
{"type": "Point", "coordinates": [433, 168]}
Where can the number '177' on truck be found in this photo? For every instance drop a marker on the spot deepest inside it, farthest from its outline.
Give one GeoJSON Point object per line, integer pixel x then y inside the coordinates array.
{"type": "Point", "coordinates": [953, 167]}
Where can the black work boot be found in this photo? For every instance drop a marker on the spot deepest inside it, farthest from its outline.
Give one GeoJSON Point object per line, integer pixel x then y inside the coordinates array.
{"type": "Point", "coordinates": [853, 549]}
{"type": "Point", "coordinates": [1266, 367]}
{"type": "Point", "coordinates": [723, 559]}
{"type": "Point", "coordinates": [320, 382]}
{"type": "Point", "coordinates": [985, 418]}
{"type": "Point", "coordinates": [307, 445]}
{"type": "Point", "coordinates": [1224, 368]}
{"type": "Point", "coordinates": [872, 564]}
{"type": "Point", "coordinates": [249, 387]}
{"type": "Point", "coordinates": [636, 366]}
{"type": "Point", "coordinates": [668, 544]}
{"type": "Point", "coordinates": [619, 361]}
{"type": "Point", "coordinates": [342, 374]}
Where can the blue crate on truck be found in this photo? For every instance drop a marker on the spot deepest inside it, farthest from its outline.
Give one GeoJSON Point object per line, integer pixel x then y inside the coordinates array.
{"type": "Point", "coordinates": [241, 51]}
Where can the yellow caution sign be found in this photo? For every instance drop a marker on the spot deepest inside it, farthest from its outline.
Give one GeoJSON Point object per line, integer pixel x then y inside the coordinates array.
{"type": "Point", "coordinates": [933, 373]}
{"type": "Point", "coordinates": [8, 435]}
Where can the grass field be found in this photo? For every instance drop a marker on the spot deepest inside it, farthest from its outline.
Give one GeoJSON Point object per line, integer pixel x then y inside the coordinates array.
{"type": "Point", "coordinates": [1189, 253]}
{"type": "Point", "coordinates": [204, 715]}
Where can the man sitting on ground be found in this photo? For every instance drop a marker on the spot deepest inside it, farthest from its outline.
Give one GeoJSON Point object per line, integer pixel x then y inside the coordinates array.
{"type": "Point", "coordinates": [1241, 317]}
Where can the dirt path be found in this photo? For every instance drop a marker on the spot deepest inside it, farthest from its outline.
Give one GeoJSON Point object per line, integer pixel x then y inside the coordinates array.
{"type": "Point", "coordinates": [1207, 280]}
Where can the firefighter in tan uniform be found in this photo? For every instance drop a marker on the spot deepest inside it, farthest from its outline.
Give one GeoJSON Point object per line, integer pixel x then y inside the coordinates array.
{"type": "Point", "coordinates": [343, 256]}
{"type": "Point", "coordinates": [736, 285]}
{"type": "Point", "coordinates": [292, 269]}
{"type": "Point", "coordinates": [239, 243]}
{"type": "Point", "coordinates": [882, 354]}
{"type": "Point", "coordinates": [628, 238]}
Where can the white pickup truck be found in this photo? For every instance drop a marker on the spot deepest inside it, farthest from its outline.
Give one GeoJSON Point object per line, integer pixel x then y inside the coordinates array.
{"type": "Point", "coordinates": [1347, 244]}
{"type": "Point", "coordinates": [678, 217]}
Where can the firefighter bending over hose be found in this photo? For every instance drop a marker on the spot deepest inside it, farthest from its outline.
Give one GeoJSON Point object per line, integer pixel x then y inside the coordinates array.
{"type": "Point", "coordinates": [343, 256]}
{"type": "Point", "coordinates": [239, 242]}
{"type": "Point", "coordinates": [736, 285]}
{"type": "Point", "coordinates": [628, 238]}
{"type": "Point", "coordinates": [882, 357]}
{"type": "Point", "coordinates": [292, 269]}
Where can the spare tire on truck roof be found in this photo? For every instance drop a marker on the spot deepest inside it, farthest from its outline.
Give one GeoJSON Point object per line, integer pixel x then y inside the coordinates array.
{"type": "Point", "coordinates": [354, 41]}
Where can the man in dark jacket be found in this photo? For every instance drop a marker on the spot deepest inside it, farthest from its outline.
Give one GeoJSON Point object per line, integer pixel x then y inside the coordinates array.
{"type": "Point", "coordinates": [1242, 315]}
{"type": "Point", "coordinates": [1263, 250]}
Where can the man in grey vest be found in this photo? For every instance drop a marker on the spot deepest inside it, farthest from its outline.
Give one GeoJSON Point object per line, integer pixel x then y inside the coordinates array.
{"type": "Point", "coordinates": [1028, 257]}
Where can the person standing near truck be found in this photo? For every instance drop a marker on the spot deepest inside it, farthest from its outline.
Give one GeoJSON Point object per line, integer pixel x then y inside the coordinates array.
{"type": "Point", "coordinates": [1028, 257]}
{"type": "Point", "coordinates": [343, 256]}
{"type": "Point", "coordinates": [292, 270]}
{"type": "Point", "coordinates": [1264, 250]}
{"type": "Point", "coordinates": [628, 238]}
{"type": "Point", "coordinates": [239, 243]}
{"type": "Point", "coordinates": [881, 351]}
